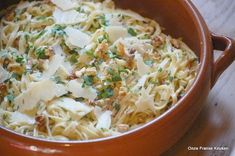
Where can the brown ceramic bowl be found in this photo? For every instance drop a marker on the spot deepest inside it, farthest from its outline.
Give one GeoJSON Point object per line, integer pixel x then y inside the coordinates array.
{"type": "Point", "coordinates": [181, 19]}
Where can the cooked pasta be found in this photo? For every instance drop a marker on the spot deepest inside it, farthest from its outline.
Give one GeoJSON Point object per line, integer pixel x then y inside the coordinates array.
{"type": "Point", "coordinates": [83, 69]}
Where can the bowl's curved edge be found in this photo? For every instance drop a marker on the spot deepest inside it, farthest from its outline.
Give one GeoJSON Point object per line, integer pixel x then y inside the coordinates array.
{"type": "Point", "coordinates": [206, 59]}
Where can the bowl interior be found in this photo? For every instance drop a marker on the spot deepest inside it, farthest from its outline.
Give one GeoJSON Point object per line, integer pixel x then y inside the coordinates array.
{"type": "Point", "coordinates": [171, 15]}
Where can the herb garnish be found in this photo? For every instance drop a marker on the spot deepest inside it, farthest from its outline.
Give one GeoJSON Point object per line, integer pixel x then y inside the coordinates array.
{"type": "Point", "coordinates": [132, 32]}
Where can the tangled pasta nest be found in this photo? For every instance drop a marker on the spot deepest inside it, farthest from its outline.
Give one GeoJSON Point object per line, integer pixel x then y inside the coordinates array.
{"type": "Point", "coordinates": [79, 70]}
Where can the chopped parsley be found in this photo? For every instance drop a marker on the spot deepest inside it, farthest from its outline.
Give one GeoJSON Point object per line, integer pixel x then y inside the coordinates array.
{"type": "Point", "coordinates": [5, 116]}
{"type": "Point", "coordinates": [112, 55]}
{"type": "Point", "coordinates": [41, 17]}
{"type": "Point", "coordinates": [115, 76]}
{"type": "Point", "coordinates": [58, 80]}
{"type": "Point", "coordinates": [88, 81]}
{"type": "Point", "coordinates": [146, 36]}
{"type": "Point", "coordinates": [40, 34]}
{"type": "Point", "coordinates": [80, 9]}
{"type": "Point", "coordinates": [122, 70]}
{"type": "Point", "coordinates": [102, 38]}
{"type": "Point", "coordinates": [20, 59]}
{"type": "Point", "coordinates": [171, 78]}
{"type": "Point", "coordinates": [103, 20]}
{"type": "Point", "coordinates": [40, 53]}
{"type": "Point", "coordinates": [116, 106]}
{"type": "Point", "coordinates": [90, 53]}
{"type": "Point", "coordinates": [15, 76]}
{"type": "Point", "coordinates": [149, 62]}
{"type": "Point", "coordinates": [10, 97]}
{"type": "Point", "coordinates": [106, 93]}
{"type": "Point", "coordinates": [73, 58]}
{"type": "Point", "coordinates": [80, 99]}
{"type": "Point", "coordinates": [58, 30]}
{"type": "Point", "coordinates": [132, 32]}
{"type": "Point", "coordinates": [26, 36]}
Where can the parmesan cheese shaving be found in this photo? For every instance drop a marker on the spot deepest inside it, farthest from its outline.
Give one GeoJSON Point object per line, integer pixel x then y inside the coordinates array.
{"type": "Point", "coordinates": [113, 20]}
{"type": "Point", "coordinates": [77, 38]}
{"type": "Point", "coordinates": [68, 17]}
{"type": "Point", "coordinates": [141, 66]}
{"type": "Point", "coordinates": [104, 120]}
{"type": "Point", "coordinates": [78, 91]}
{"type": "Point", "coordinates": [130, 14]}
{"type": "Point", "coordinates": [65, 68]}
{"type": "Point", "coordinates": [26, 4]}
{"type": "Point", "coordinates": [145, 102]}
{"type": "Point", "coordinates": [116, 32]}
{"type": "Point", "coordinates": [20, 118]}
{"type": "Point", "coordinates": [77, 108]}
{"type": "Point", "coordinates": [4, 75]}
{"type": "Point", "coordinates": [58, 50]}
{"type": "Point", "coordinates": [65, 4]}
{"type": "Point", "coordinates": [53, 66]}
{"type": "Point", "coordinates": [44, 90]}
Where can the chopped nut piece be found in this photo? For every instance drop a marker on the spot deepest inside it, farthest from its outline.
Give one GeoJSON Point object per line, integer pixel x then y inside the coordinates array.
{"type": "Point", "coordinates": [16, 68]}
{"type": "Point", "coordinates": [10, 16]}
{"type": "Point", "coordinates": [101, 50]}
{"type": "Point", "coordinates": [157, 41]}
{"type": "Point", "coordinates": [91, 71]}
{"type": "Point", "coordinates": [41, 123]}
{"type": "Point", "coordinates": [132, 51]}
{"type": "Point", "coordinates": [122, 128]}
{"type": "Point", "coordinates": [122, 93]}
{"type": "Point", "coordinates": [3, 91]}
{"type": "Point", "coordinates": [175, 43]}
{"type": "Point", "coordinates": [120, 49]}
{"type": "Point", "coordinates": [80, 72]}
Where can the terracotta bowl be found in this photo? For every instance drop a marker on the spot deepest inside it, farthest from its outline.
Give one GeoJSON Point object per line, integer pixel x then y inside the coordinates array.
{"type": "Point", "coordinates": [181, 19]}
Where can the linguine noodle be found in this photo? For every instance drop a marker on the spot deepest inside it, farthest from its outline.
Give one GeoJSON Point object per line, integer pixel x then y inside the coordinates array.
{"type": "Point", "coordinates": [83, 69]}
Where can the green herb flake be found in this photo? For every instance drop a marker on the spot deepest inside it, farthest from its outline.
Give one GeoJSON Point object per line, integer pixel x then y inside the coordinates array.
{"type": "Point", "coordinates": [40, 34]}
{"type": "Point", "coordinates": [160, 70]}
{"type": "Point", "coordinates": [122, 70]}
{"type": "Point", "coordinates": [145, 37]}
{"type": "Point", "coordinates": [41, 17]}
{"type": "Point", "coordinates": [90, 53]}
{"type": "Point", "coordinates": [58, 80]}
{"type": "Point", "coordinates": [40, 53]}
{"type": "Point", "coordinates": [117, 106]}
{"type": "Point", "coordinates": [5, 116]}
{"type": "Point", "coordinates": [149, 62]}
{"type": "Point", "coordinates": [73, 58]}
{"type": "Point", "coordinates": [112, 55]}
{"type": "Point", "coordinates": [171, 78]}
{"type": "Point", "coordinates": [15, 76]}
{"type": "Point", "coordinates": [80, 9]}
{"type": "Point", "coordinates": [88, 81]}
{"type": "Point", "coordinates": [20, 59]}
{"type": "Point", "coordinates": [10, 97]}
{"type": "Point", "coordinates": [26, 36]}
{"type": "Point", "coordinates": [106, 93]}
{"type": "Point", "coordinates": [80, 99]}
{"type": "Point", "coordinates": [103, 20]}
{"type": "Point", "coordinates": [132, 32]}
{"type": "Point", "coordinates": [58, 30]}
{"type": "Point", "coordinates": [115, 75]}
{"type": "Point", "coordinates": [102, 38]}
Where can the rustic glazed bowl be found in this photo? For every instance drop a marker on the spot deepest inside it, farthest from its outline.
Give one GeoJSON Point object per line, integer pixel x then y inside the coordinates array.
{"type": "Point", "coordinates": [181, 19]}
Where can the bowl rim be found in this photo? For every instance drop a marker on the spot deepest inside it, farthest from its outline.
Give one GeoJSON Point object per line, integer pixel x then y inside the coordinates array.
{"type": "Point", "coordinates": [205, 49]}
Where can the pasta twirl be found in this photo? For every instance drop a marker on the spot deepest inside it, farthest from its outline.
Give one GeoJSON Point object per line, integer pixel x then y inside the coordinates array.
{"type": "Point", "coordinates": [79, 70]}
